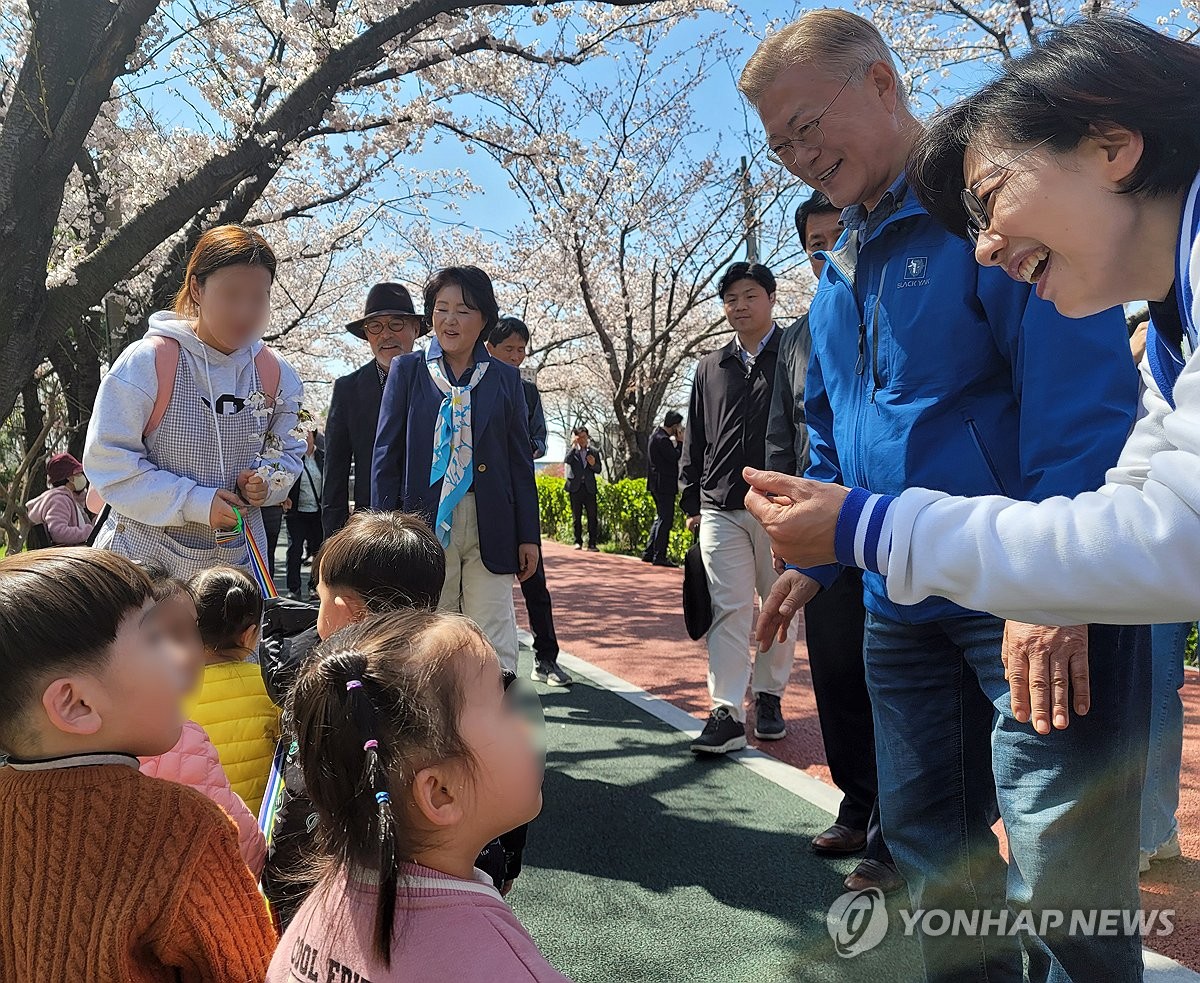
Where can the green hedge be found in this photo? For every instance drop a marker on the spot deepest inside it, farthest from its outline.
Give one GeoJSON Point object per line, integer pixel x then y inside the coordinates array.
{"type": "Point", "coordinates": [626, 514]}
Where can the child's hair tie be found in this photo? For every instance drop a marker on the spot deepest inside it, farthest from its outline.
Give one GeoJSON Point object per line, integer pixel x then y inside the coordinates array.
{"type": "Point", "coordinates": [353, 684]}
{"type": "Point", "coordinates": [382, 797]}
{"type": "Point", "coordinates": [371, 746]}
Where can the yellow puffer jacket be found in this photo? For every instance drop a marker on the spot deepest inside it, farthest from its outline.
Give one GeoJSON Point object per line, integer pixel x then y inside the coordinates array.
{"type": "Point", "coordinates": [243, 724]}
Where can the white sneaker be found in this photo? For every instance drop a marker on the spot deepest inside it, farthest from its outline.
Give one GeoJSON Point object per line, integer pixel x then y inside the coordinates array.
{"type": "Point", "coordinates": [1169, 850]}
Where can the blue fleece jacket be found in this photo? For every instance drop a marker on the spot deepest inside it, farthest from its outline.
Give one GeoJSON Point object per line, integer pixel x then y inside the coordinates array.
{"type": "Point", "coordinates": [928, 370]}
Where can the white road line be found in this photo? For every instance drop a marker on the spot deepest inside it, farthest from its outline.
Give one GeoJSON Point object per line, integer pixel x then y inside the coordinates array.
{"type": "Point", "coordinates": [1159, 968]}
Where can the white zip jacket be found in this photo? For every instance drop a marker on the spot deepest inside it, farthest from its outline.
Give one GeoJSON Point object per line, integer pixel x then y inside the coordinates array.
{"type": "Point", "coordinates": [1126, 554]}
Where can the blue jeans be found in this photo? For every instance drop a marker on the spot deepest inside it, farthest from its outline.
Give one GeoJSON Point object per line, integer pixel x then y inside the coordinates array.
{"type": "Point", "coordinates": [950, 753]}
{"type": "Point", "coordinates": [1160, 794]}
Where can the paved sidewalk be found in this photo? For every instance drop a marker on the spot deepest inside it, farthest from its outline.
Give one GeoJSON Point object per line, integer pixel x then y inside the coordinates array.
{"type": "Point", "coordinates": [624, 616]}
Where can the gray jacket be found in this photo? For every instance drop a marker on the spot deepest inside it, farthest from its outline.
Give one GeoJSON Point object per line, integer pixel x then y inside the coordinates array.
{"type": "Point", "coordinates": [787, 432]}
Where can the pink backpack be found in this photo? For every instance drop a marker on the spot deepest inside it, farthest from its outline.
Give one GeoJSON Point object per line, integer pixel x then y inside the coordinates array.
{"type": "Point", "coordinates": [166, 363]}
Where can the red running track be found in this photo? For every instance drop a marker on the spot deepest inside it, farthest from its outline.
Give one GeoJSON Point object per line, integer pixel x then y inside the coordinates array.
{"type": "Point", "coordinates": [625, 616]}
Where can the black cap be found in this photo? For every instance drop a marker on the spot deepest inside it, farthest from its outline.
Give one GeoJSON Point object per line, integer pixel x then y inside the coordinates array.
{"type": "Point", "coordinates": [384, 299]}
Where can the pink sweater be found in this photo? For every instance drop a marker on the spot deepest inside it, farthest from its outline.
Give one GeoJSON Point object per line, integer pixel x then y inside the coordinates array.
{"type": "Point", "coordinates": [61, 512]}
{"type": "Point", "coordinates": [193, 761]}
{"type": "Point", "coordinates": [447, 931]}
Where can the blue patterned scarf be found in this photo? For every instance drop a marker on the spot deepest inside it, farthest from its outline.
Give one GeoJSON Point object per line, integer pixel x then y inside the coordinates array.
{"type": "Point", "coordinates": [453, 447]}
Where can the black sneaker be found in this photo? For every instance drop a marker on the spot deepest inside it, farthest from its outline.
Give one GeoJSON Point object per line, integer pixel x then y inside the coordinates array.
{"type": "Point", "coordinates": [721, 734]}
{"type": "Point", "coordinates": [551, 675]}
{"type": "Point", "coordinates": [768, 718]}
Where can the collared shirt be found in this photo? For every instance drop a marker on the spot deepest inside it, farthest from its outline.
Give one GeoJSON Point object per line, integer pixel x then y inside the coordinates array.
{"type": "Point", "coordinates": [746, 357]}
{"type": "Point", "coordinates": [434, 353]}
{"type": "Point", "coordinates": [856, 218]}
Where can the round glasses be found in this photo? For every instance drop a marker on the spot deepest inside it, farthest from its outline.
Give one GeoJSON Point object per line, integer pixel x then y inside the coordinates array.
{"type": "Point", "coordinates": [810, 136]}
{"type": "Point", "coordinates": [978, 219]}
{"type": "Point", "coordinates": [393, 324]}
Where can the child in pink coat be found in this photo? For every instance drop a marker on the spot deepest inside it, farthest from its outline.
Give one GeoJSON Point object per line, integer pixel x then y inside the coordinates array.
{"type": "Point", "coordinates": [193, 760]}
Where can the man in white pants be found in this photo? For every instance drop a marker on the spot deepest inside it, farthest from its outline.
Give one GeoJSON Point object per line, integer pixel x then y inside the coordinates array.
{"type": "Point", "coordinates": [726, 431]}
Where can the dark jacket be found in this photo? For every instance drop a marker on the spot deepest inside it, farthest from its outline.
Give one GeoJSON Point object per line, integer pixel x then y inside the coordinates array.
{"type": "Point", "coordinates": [350, 439]}
{"type": "Point", "coordinates": [787, 430]}
{"type": "Point", "coordinates": [537, 419]}
{"type": "Point", "coordinates": [663, 475]}
{"type": "Point", "coordinates": [726, 426]}
{"type": "Point", "coordinates": [581, 476]}
{"type": "Point", "coordinates": [505, 493]}
{"type": "Point", "coordinates": [294, 494]}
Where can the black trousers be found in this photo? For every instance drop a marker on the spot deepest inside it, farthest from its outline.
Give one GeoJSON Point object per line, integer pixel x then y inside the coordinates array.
{"type": "Point", "coordinates": [272, 517]}
{"type": "Point", "coordinates": [541, 616]}
{"type": "Point", "coordinates": [585, 498]}
{"type": "Point", "coordinates": [660, 532]}
{"type": "Point", "coordinates": [303, 528]}
{"type": "Point", "coordinates": [833, 627]}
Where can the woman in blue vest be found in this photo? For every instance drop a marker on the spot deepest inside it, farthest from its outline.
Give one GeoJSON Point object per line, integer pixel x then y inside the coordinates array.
{"type": "Point", "coordinates": [453, 445]}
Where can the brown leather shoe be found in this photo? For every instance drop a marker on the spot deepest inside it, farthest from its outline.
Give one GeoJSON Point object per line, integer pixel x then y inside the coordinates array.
{"type": "Point", "coordinates": [839, 839]}
{"type": "Point", "coordinates": [874, 874]}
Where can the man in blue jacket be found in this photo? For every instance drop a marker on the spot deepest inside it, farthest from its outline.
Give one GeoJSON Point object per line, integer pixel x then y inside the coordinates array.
{"type": "Point", "coordinates": [928, 370]}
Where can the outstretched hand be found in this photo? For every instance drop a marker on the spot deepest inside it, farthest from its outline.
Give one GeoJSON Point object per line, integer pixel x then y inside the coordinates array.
{"type": "Point", "coordinates": [798, 515]}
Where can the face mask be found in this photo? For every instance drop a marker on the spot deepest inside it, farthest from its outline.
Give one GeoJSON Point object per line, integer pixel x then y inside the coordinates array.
{"type": "Point", "coordinates": [79, 482]}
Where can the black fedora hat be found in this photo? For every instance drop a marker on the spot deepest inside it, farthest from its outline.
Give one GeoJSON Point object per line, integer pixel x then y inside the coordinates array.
{"type": "Point", "coordinates": [384, 300]}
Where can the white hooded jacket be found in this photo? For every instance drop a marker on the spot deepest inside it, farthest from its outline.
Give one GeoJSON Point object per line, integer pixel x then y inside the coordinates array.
{"type": "Point", "coordinates": [115, 456]}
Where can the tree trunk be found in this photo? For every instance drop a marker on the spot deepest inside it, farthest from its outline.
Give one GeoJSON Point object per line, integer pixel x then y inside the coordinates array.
{"type": "Point", "coordinates": [34, 420]}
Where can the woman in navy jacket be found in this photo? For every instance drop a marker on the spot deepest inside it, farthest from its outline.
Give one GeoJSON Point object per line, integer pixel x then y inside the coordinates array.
{"type": "Point", "coordinates": [453, 446]}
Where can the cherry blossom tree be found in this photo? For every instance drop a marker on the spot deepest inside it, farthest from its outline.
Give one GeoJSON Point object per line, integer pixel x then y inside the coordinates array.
{"type": "Point", "coordinates": [635, 216]}
{"type": "Point", "coordinates": [105, 181]}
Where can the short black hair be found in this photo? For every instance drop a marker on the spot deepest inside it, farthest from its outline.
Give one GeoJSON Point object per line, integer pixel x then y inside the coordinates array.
{"type": "Point", "coordinates": [392, 560]}
{"type": "Point", "coordinates": [815, 204]}
{"type": "Point", "coordinates": [60, 611]}
{"type": "Point", "coordinates": [580, 429]}
{"type": "Point", "coordinates": [477, 291]}
{"type": "Point", "coordinates": [673, 418]}
{"type": "Point", "coordinates": [505, 328]}
{"type": "Point", "coordinates": [228, 604]}
{"type": "Point", "coordinates": [746, 271]}
{"type": "Point", "coordinates": [1097, 71]}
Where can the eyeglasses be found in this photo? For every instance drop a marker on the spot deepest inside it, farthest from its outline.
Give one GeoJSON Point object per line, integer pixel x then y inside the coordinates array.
{"type": "Point", "coordinates": [394, 324]}
{"type": "Point", "coordinates": [809, 136]}
{"type": "Point", "coordinates": [978, 219]}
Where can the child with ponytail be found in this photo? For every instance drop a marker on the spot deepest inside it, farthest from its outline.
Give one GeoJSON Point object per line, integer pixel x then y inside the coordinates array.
{"type": "Point", "coordinates": [233, 705]}
{"type": "Point", "coordinates": [414, 761]}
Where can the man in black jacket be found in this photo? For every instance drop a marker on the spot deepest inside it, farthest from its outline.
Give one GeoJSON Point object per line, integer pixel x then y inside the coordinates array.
{"type": "Point", "coordinates": [833, 620]}
{"type": "Point", "coordinates": [509, 342]}
{"type": "Point", "coordinates": [390, 326]}
{"type": "Point", "coordinates": [662, 482]}
{"type": "Point", "coordinates": [302, 512]}
{"type": "Point", "coordinates": [726, 432]}
{"type": "Point", "coordinates": [583, 464]}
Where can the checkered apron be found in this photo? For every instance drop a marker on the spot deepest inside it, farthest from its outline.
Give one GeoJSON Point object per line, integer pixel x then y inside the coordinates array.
{"type": "Point", "coordinates": [183, 444]}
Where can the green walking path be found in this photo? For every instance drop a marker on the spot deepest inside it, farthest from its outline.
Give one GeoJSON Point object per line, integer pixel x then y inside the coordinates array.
{"type": "Point", "coordinates": [649, 865]}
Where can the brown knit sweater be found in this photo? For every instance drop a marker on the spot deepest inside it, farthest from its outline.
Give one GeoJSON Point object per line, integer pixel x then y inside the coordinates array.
{"type": "Point", "coordinates": [108, 876]}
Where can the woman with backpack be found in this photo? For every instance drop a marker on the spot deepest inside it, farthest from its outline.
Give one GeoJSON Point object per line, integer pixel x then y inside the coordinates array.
{"type": "Point", "coordinates": [59, 515]}
{"type": "Point", "coordinates": [195, 426]}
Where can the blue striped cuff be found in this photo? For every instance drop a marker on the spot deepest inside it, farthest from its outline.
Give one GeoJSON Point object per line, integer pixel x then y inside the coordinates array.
{"type": "Point", "coordinates": [863, 536]}
{"type": "Point", "coordinates": [824, 575]}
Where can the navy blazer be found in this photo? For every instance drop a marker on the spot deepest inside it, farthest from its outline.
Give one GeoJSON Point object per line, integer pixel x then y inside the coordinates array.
{"type": "Point", "coordinates": [505, 493]}
{"type": "Point", "coordinates": [350, 438]}
{"type": "Point", "coordinates": [581, 476]}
